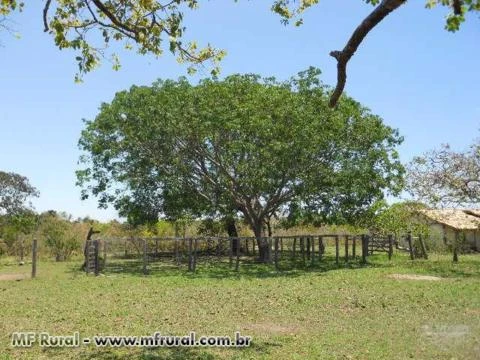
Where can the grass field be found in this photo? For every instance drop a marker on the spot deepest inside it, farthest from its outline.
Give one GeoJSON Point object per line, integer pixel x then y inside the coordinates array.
{"type": "Point", "coordinates": [321, 313]}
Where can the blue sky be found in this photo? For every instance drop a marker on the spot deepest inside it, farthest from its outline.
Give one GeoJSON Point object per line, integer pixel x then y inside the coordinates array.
{"type": "Point", "coordinates": [420, 78]}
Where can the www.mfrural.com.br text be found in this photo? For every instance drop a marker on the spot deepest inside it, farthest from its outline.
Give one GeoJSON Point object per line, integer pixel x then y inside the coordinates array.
{"type": "Point", "coordinates": [45, 339]}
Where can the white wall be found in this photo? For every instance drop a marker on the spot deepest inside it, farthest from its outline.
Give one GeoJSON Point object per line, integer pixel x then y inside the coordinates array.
{"type": "Point", "coordinates": [438, 232]}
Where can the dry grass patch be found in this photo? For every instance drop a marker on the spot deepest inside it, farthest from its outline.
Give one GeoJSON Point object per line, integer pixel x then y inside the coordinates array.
{"type": "Point", "coordinates": [271, 328]}
{"type": "Point", "coordinates": [414, 277]}
{"type": "Point", "coordinates": [18, 277]}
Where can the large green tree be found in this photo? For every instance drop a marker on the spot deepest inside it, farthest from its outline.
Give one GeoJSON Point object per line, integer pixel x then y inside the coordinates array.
{"type": "Point", "coordinates": [242, 144]}
{"type": "Point", "coordinates": [145, 25]}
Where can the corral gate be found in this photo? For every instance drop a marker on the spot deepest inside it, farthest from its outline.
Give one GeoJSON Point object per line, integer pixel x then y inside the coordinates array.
{"type": "Point", "coordinates": [91, 257]}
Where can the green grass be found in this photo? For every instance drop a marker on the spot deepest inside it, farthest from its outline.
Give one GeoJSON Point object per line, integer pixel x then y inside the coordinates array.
{"type": "Point", "coordinates": [323, 312]}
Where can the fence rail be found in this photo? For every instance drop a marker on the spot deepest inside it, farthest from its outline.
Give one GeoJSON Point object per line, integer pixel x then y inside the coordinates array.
{"type": "Point", "coordinates": [147, 255]}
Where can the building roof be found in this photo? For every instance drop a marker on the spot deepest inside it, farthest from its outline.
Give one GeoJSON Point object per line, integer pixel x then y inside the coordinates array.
{"type": "Point", "coordinates": [459, 219]}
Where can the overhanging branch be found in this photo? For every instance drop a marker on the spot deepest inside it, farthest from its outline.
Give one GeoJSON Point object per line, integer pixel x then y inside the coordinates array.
{"type": "Point", "coordinates": [45, 15]}
{"type": "Point", "coordinates": [343, 56]}
{"type": "Point", "coordinates": [457, 7]}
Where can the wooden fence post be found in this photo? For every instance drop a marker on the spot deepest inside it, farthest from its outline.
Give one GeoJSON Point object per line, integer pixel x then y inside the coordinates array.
{"type": "Point", "coordinates": [21, 246]}
{"type": "Point", "coordinates": [190, 259]}
{"type": "Point", "coordinates": [455, 244]}
{"type": "Point", "coordinates": [194, 268]}
{"type": "Point", "coordinates": [218, 250]}
{"type": "Point", "coordinates": [294, 247]}
{"type": "Point", "coordinates": [390, 247]}
{"type": "Point", "coordinates": [276, 253]}
{"type": "Point", "coordinates": [308, 247]}
{"type": "Point", "coordinates": [97, 265]}
{"type": "Point", "coordinates": [104, 254]}
{"type": "Point", "coordinates": [410, 246]}
{"type": "Point", "coordinates": [354, 240]}
{"type": "Point", "coordinates": [422, 245]}
{"type": "Point", "coordinates": [337, 250]}
{"type": "Point", "coordinates": [87, 256]}
{"type": "Point", "coordinates": [302, 249]}
{"type": "Point", "coordinates": [237, 255]}
{"type": "Point", "coordinates": [270, 250]}
{"type": "Point", "coordinates": [313, 250]}
{"type": "Point", "coordinates": [34, 258]}
{"type": "Point", "coordinates": [177, 255]}
{"type": "Point", "coordinates": [145, 256]}
{"type": "Point", "coordinates": [364, 248]}
{"type": "Point", "coordinates": [321, 248]}
{"type": "Point", "coordinates": [230, 251]}
{"type": "Point", "coordinates": [156, 248]}
{"type": "Point", "coordinates": [346, 247]}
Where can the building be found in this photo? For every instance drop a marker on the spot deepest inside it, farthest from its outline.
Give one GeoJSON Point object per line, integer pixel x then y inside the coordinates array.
{"type": "Point", "coordinates": [446, 224]}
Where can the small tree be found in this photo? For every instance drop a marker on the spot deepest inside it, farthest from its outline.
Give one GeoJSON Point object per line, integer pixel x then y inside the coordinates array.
{"type": "Point", "coordinates": [401, 218]}
{"type": "Point", "coordinates": [16, 232]}
{"type": "Point", "coordinates": [16, 217]}
{"type": "Point", "coordinates": [444, 177]}
{"type": "Point", "coordinates": [62, 237]}
{"type": "Point", "coordinates": [15, 191]}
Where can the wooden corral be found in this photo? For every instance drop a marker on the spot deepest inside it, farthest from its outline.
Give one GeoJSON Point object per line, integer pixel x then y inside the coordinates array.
{"type": "Point", "coordinates": [299, 250]}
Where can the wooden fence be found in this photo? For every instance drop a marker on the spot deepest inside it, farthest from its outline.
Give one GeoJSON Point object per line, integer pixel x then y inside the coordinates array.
{"type": "Point", "coordinates": [414, 245]}
{"type": "Point", "coordinates": [144, 255]}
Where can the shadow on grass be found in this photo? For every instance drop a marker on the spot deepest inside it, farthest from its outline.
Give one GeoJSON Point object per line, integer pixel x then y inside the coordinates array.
{"type": "Point", "coordinates": [174, 353]}
{"type": "Point", "coordinates": [221, 268]}
{"type": "Point", "coordinates": [467, 267]}
{"type": "Point", "coordinates": [122, 353]}
{"type": "Point", "coordinates": [149, 354]}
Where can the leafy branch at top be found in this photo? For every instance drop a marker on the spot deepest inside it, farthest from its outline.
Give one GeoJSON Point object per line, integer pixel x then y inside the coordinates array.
{"type": "Point", "coordinates": [145, 25]}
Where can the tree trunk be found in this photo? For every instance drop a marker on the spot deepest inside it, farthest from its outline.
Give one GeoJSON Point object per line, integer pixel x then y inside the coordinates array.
{"type": "Point", "coordinates": [269, 228]}
{"type": "Point", "coordinates": [232, 233]}
{"type": "Point", "coordinates": [264, 250]}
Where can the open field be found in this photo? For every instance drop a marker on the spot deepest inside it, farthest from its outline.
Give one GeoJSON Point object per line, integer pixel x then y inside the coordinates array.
{"type": "Point", "coordinates": [371, 312]}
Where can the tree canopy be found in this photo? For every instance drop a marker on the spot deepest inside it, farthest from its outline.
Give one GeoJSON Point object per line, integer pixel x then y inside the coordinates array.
{"type": "Point", "coordinates": [15, 190]}
{"type": "Point", "coordinates": [446, 177]}
{"type": "Point", "coordinates": [146, 25]}
{"type": "Point", "coordinates": [243, 144]}
{"type": "Point", "coordinates": [400, 218]}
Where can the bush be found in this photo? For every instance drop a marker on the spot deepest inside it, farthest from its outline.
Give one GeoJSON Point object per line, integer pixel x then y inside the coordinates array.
{"type": "Point", "coordinates": [62, 237]}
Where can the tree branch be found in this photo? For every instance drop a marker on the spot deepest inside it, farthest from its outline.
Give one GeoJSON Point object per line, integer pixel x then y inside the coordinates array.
{"type": "Point", "coordinates": [112, 17]}
{"type": "Point", "coordinates": [343, 56]}
{"type": "Point", "coordinates": [457, 7]}
{"type": "Point", "coordinates": [45, 13]}
{"type": "Point", "coordinates": [96, 20]}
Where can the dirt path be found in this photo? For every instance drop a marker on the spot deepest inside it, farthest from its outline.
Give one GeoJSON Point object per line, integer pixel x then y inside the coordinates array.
{"type": "Point", "coordinates": [17, 277]}
{"type": "Point", "coordinates": [414, 277]}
